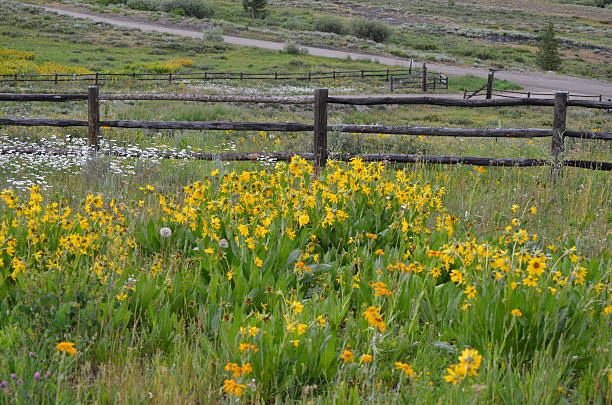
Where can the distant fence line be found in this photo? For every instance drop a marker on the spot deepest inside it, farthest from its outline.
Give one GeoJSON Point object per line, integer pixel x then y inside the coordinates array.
{"type": "Point", "coordinates": [488, 91]}
{"type": "Point", "coordinates": [404, 77]}
{"type": "Point", "coordinates": [320, 128]}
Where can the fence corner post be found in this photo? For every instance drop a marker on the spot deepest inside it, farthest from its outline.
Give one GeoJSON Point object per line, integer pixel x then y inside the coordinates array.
{"type": "Point", "coordinates": [490, 85]}
{"type": "Point", "coordinates": [320, 128]}
{"type": "Point", "coordinates": [424, 78]}
{"type": "Point", "coordinates": [557, 144]}
{"type": "Point", "coordinates": [93, 117]}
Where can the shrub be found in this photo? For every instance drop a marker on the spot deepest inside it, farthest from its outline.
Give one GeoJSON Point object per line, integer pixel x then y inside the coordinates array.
{"type": "Point", "coordinates": [213, 35]}
{"type": "Point", "coordinates": [146, 5]}
{"type": "Point", "coordinates": [368, 29]}
{"type": "Point", "coordinates": [425, 46]}
{"type": "Point", "coordinates": [329, 24]}
{"type": "Point", "coordinates": [192, 8]}
{"type": "Point", "coordinates": [293, 49]}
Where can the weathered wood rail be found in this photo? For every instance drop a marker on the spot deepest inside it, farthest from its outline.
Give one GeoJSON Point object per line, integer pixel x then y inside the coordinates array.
{"type": "Point", "coordinates": [320, 128]}
{"type": "Point", "coordinates": [420, 80]}
{"type": "Point", "coordinates": [488, 91]}
{"type": "Point", "coordinates": [431, 80]}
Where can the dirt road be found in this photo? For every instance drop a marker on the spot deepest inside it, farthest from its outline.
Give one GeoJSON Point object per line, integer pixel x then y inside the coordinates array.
{"type": "Point", "coordinates": [535, 82]}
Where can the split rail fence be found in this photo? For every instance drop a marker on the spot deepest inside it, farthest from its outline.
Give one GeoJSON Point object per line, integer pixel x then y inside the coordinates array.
{"type": "Point", "coordinates": [488, 91]}
{"type": "Point", "coordinates": [320, 128]}
{"type": "Point", "coordinates": [419, 76]}
{"type": "Point", "coordinates": [419, 80]}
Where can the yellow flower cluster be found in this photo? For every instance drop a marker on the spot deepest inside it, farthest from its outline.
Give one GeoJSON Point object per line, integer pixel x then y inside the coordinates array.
{"type": "Point", "coordinates": [469, 363]}
{"type": "Point", "coordinates": [20, 62]}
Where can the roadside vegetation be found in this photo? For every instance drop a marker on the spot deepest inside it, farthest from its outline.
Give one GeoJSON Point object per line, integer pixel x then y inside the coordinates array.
{"type": "Point", "coordinates": [421, 30]}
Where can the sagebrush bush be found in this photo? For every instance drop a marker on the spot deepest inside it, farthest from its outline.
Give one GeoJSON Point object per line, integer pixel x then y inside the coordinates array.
{"type": "Point", "coordinates": [329, 24]}
{"type": "Point", "coordinates": [192, 8]}
{"type": "Point", "coordinates": [293, 48]}
{"type": "Point", "coordinates": [214, 35]}
{"type": "Point", "coordinates": [370, 29]}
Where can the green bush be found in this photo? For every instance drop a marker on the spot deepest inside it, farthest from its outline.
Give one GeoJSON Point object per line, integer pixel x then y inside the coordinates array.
{"type": "Point", "coordinates": [425, 46]}
{"type": "Point", "coordinates": [146, 5]}
{"type": "Point", "coordinates": [369, 29]}
{"type": "Point", "coordinates": [329, 24]}
{"type": "Point", "coordinates": [292, 48]}
{"type": "Point", "coordinates": [192, 8]}
{"type": "Point", "coordinates": [213, 35]}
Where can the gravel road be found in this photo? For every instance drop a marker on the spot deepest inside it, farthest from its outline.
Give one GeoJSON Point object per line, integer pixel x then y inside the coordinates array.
{"type": "Point", "coordinates": [535, 82]}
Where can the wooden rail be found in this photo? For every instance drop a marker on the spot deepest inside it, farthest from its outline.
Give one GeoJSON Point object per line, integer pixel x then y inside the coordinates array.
{"type": "Point", "coordinates": [98, 78]}
{"type": "Point", "coordinates": [513, 94]}
{"type": "Point", "coordinates": [320, 128]}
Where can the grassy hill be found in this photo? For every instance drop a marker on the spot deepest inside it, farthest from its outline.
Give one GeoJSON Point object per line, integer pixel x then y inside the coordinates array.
{"type": "Point", "coordinates": [489, 34]}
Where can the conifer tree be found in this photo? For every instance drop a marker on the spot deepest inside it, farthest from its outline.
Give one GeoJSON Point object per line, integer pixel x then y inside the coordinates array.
{"type": "Point", "coordinates": [255, 8]}
{"type": "Point", "coordinates": [547, 56]}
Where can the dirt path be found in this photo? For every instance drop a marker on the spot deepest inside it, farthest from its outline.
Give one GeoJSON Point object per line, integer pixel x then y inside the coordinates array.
{"type": "Point", "coordinates": [535, 82]}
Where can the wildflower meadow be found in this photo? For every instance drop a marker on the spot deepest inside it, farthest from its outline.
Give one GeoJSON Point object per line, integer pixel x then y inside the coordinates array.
{"type": "Point", "coordinates": [136, 274]}
{"type": "Point", "coordinates": [282, 285]}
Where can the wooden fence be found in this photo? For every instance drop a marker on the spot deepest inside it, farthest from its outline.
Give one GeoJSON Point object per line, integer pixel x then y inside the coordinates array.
{"type": "Point", "coordinates": [432, 79]}
{"type": "Point", "coordinates": [420, 80]}
{"type": "Point", "coordinates": [320, 128]}
{"type": "Point", "coordinates": [526, 94]}
{"type": "Point", "coordinates": [488, 91]}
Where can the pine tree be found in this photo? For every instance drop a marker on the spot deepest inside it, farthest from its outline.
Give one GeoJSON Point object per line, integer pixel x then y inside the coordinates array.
{"type": "Point", "coordinates": [255, 8]}
{"type": "Point", "coordinates": [547, 56]}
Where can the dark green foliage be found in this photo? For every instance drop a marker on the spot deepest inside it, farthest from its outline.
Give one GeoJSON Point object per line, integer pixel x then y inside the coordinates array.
{"type": "Point", "coordinates": [547, 56]}
{"type": "Point", "coordinates": [192, 8]}
{"type": "Point", "coordinates": [255, 8]}
{"type": "Point", "coordinates": [370, 29]}
{"type": "Point", "coordinates": [329, 24]}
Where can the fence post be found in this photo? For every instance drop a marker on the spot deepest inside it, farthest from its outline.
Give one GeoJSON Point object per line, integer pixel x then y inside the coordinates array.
{"type": "Point", "coordinates": [490, 85]}
{"type": "Point", "coordinates": [387, 74]}
{"type": "Point", "coordinates": [320, 128]}
{"type": "Point", "coordinates": [410, 68]}
{"type": "Point", "coordinates": [96, 83]}
{"type": "Point", "coordinates": [170, 78]}
{"type": "Point", "coordinates": [391, 87]}
{"type": "Point", "coordinates": [464, 93]}
{"type": "Point", "coordinates": [56, 78]}
{"type": "Point", "coordinates": [557, 146]}
{"type": "Point", "coordinates": [424, 78]}
{"type": "Point", "coordinates": [93, 117]}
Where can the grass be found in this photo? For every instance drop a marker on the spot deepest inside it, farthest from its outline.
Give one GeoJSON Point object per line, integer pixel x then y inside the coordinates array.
{"type": "Point", "coordinates": [165, 323]}
{"type": "Point", "coordinates": [431, 31]}
{"type": "Point", "coordinates": [409, 264]}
